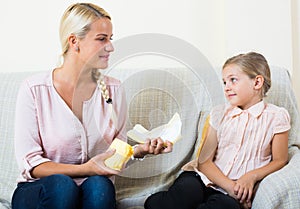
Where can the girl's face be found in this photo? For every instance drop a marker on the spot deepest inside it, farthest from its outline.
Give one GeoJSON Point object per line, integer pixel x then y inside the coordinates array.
{"type": "Point", "coordinates": [240, 90]}
{"type": "Point", "coordinates": [96, 46]}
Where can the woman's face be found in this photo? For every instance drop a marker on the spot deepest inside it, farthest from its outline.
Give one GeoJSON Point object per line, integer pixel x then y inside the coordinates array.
{"type": "Point", "coordinates": [96, 46]}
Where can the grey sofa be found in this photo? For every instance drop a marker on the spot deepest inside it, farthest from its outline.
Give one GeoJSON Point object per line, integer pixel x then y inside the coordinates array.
{"type": "Point", "coordinates": [153, 96]}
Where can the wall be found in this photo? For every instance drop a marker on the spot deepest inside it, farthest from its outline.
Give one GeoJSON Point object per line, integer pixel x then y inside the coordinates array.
{"type": "Point", "coordinates": [31, 37]}
{"type": "Point", "coordinates": [219, 29]}
{"type": "Point", "coordinates": [271, 27]}
{"type": "Point", "coordinates": [263, 26]}
{"type": "Point", "coordinates": [295, 5]}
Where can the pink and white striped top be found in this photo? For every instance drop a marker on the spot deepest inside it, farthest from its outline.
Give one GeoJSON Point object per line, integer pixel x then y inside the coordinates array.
{"type": "Point", "coordinates": [245, 136]}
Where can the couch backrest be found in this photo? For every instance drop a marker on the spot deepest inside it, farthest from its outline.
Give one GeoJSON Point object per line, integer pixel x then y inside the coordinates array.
{"type": "Point", "coordinates": [282, 94]}
{"type": "Point", "coordinates": [9, 85]}
{"type": "Point", "coordinates": [153, 96]}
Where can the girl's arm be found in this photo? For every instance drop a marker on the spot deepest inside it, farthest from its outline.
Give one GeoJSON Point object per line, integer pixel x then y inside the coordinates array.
{"type": "Point", "coordinates": [244, 185]}
{"type": "Point", "coordinates": [208, 167]}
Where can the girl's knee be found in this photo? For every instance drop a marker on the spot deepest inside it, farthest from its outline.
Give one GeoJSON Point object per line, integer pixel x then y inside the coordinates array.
{"type": "Point", "coordinates": [219, 201]}
{"type": "Point", "coordinates": [155, 201]}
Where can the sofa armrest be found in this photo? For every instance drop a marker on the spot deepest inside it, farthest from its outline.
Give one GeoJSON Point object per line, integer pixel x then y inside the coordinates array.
{"type": "Point", "coordinates": [4, 204]}
{"type": "Point", "coordinates": [280, 189]}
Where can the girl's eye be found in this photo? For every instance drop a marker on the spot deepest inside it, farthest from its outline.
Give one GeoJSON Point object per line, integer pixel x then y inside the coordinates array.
{"type": "Point", "coordinates": [233, 80]}
{"type": "Point", "coordinates": [224, 83]}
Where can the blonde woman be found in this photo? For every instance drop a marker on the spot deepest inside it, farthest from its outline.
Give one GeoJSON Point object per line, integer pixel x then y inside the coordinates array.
{"type": "Point", "coordinates": [67, 118]}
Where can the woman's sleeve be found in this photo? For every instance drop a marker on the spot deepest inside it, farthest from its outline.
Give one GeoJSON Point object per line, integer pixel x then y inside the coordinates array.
{"type": "Point", "coordinates": [28, 149]}
{"type": "Point", "coordinates": [120, 105]}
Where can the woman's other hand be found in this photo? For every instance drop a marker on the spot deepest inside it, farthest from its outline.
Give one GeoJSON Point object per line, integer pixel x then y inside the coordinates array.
{"type": "Point", "coordinates": [154, 146]}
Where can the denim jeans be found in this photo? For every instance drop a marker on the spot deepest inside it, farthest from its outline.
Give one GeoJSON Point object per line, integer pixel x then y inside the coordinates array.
{"type": "Point", "coordinates": [61, 192]}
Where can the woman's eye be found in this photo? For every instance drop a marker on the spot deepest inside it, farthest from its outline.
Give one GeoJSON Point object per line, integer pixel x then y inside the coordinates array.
{"type": "Point", "coordinates": [104, 39]}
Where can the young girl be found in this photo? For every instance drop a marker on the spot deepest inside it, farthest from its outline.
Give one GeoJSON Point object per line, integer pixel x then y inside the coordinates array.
{"type": "Point", "coordinates": [246, 140]}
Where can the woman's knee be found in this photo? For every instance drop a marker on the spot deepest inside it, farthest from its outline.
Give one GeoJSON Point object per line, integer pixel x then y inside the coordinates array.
{"type": "Point", "coordinates": [98, 192]}
{"type": "Point", "coordinates": [60, 184]}
{"type": "Point", "coordinates": [55, 191]}
{"type": "Point", "coordinates": [98, 183]}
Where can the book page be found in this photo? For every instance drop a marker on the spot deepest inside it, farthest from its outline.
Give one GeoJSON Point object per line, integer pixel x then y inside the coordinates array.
{"type": "Point", "coordinates": [170, 131]}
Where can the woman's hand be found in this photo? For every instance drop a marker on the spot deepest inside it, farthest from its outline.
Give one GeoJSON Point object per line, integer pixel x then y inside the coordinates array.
{"type": "Point", "coordinates": [153, 146]}
{"type": "Point", "coordinates": [96, 165]}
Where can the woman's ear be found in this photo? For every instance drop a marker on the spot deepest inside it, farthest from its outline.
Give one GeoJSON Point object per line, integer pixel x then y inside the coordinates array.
{"type": "Point", "coordinates": [259, 82]}
{"type": "Point", "coordinates": [73, 42]}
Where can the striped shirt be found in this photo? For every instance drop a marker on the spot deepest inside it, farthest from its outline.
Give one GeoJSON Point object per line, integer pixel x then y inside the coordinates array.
{"type": "Point", "coordinates": [245, 136]}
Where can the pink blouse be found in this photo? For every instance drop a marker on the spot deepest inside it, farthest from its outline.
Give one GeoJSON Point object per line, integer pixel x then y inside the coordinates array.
{"type": "Point", "coordinates": [47, 130]}
{"type": "Point", "coordinates": [245, 137]}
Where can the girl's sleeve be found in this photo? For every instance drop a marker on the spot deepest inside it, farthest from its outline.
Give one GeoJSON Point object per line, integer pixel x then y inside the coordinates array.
{"type": "Point", "coordinates": [282, 121]}
{"type": "Point", "coordinates": [28, 149]}
{"type": "Point", "coordinates": [216, 116]}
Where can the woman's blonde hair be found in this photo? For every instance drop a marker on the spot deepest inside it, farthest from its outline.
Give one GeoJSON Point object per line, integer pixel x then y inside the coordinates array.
{"type": "Point", "coordinates": [253, 64]}
{"type": "Point", "coordinates": [77, 20]}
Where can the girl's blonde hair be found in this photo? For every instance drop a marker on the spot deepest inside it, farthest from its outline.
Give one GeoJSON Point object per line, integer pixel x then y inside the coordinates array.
{"type": "Point", "coordinates": [77, 20]}
{"type": "Point", "coordinates": [253, 64]}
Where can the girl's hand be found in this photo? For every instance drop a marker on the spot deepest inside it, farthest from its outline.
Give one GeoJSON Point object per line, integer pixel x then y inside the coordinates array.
{"type": "Point", "coordinates": [153, 146]}
{"type": "Point", "coordinates": [231, 192]}
{"type": "Point", "coordinates": [230, 188]}
{"type": "Point", "coordinates": [246, 205]}
{"type": "Point", "coordinates": [96, 165]}
{"type": "Point", "coordinates": [244, 188]}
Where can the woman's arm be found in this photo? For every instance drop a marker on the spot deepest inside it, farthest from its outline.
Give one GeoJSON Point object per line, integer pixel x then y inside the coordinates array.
{"type": "Point", "coordinates": [94, 166]}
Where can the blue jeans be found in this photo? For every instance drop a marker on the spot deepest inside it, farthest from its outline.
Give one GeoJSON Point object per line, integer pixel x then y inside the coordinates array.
{"type": "Point", "coordinates": [61, 192]}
